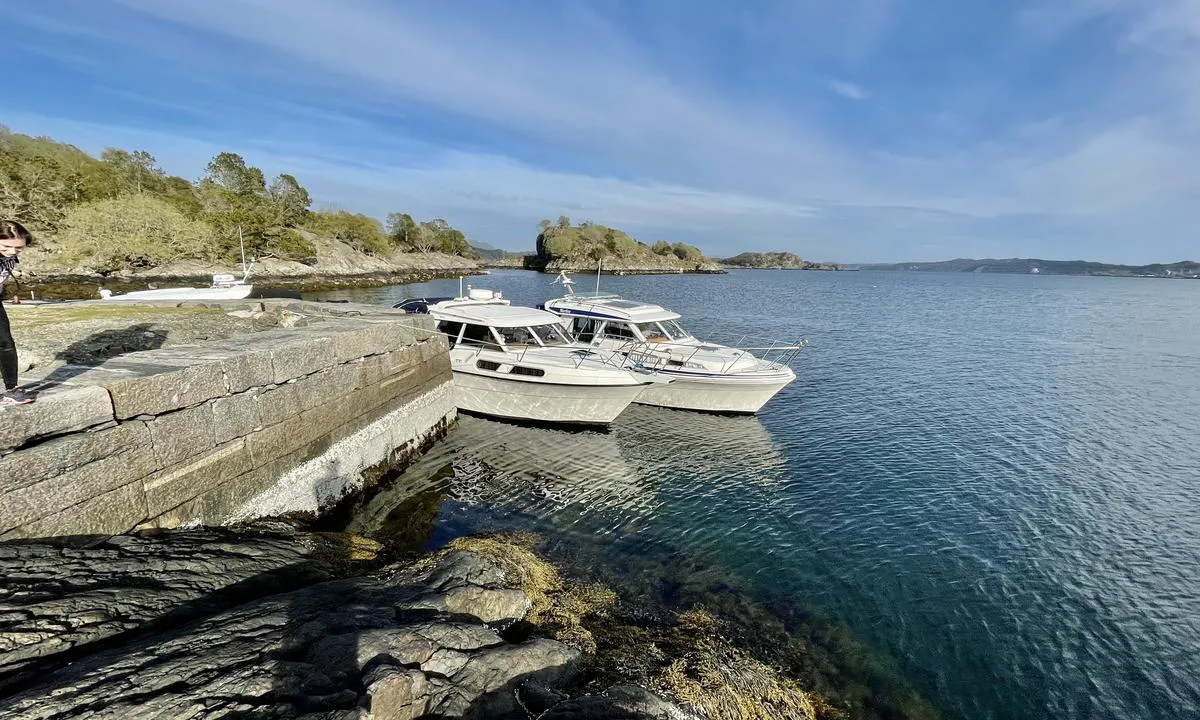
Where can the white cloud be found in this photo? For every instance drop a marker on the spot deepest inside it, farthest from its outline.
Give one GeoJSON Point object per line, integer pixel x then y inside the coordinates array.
{"type": "Point", "coordinates": [848, 89]}
{"type": "Point", "coordinates": [670, 153]}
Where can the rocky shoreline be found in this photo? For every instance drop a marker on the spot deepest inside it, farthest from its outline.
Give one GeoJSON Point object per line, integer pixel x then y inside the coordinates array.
{"type": "Point", "coordinates": [271, 622]}
{"type": "Point", "coordinates": [85, 287]}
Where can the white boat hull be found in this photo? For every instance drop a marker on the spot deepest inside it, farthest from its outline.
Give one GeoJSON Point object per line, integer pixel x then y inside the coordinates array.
{"type": "Point", "coordinates": [542, 402]}
{"type": "Point", "coordinates": [733, 393]}
{"type": "Point", "coordinates": [233, 292]}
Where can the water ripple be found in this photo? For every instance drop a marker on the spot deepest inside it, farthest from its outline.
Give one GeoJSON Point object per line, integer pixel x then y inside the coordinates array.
{"type": "Point", "coordinates": [993, 478]}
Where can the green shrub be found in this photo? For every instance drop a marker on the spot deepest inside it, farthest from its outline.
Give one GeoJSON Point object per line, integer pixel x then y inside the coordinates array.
{"type": "Point", "coordinates": [132, 232]}
{"type": "Point", "coordinates": [560, 245]}
{"type": "Point", "coordinates": [364, 234]}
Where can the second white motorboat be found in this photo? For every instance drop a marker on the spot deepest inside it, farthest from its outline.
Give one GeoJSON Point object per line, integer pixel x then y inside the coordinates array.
{"type": "Point", "coordinates": [518, 363]}
{"type": "Point", "coordinates": [708, 377]}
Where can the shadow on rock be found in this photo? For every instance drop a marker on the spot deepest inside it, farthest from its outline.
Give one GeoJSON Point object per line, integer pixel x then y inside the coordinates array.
{"type": "Point", "coordinates": [210, 623]}
{"type": "Point", "coordinates": [104, 345]}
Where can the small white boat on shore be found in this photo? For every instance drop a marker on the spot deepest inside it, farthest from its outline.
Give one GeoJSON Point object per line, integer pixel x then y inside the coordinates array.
{"type": "Point", "coordinates": [224, 286]}
{"type": "Point", "coordinates": [518, 363]}
{"type": "Point", "coordinates": [707, 376]}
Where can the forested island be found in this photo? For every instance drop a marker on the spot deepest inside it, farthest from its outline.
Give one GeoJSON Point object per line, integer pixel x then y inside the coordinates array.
{"type": "Point", "coordinates": [121, 215]}
{"type": "Point", "coordinates": [1034, 266]}
{"type": "Point", "coordinates": [776, 261]}
{"type": "Point", "coordinates": [584, 247]}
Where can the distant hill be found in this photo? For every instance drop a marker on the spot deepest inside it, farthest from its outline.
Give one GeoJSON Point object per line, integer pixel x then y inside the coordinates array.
{"type": "Point", "coordinates": [489, 252]}
{"type": "Point", "coordinates": [773, 260]}
{"type": "Point", "coordinates": [1185, 268]}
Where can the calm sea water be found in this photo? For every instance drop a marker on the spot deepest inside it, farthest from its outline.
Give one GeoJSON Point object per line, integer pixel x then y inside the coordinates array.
{"type": "Point", "coordinates": [994, 479]}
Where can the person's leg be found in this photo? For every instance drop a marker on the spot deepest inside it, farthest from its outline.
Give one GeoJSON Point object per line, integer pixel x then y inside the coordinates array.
{"type": "Point", "coordinates": [8, 352]}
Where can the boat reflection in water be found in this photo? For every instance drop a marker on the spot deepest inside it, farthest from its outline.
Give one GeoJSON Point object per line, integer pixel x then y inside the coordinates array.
{"type": "Point", "coordinates": [652, 463]}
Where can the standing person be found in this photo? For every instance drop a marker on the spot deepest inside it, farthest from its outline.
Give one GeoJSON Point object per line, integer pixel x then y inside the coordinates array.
{"type": "Point", "coordinates": [13, 239]}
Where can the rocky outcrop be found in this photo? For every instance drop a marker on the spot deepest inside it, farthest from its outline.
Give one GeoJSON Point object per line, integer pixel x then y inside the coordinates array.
{"type": "Point", "coordinates": [776, 261]}
{"type": "Point", "coordinates": [634, 266]}
{"type": "Point", "coordinates": [135, 628]}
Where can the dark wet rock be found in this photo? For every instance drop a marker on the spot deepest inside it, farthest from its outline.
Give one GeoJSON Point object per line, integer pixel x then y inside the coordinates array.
{"type": "Point", "coordinates": [209, 623]}
{"type": "Point", "coordinates": [623, 702]}
{"type": "Point", "coordinates": [58, 600]}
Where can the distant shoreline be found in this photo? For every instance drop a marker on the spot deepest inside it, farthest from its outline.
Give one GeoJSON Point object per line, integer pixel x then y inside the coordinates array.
{"type": "Point", "coordinates": [1184, 269]}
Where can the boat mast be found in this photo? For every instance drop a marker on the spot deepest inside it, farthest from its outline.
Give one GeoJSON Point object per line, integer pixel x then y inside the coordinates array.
{"type": "Point", "coordinates": [599, 264]}
{"type": "Point", "coordinates": [242, 245]}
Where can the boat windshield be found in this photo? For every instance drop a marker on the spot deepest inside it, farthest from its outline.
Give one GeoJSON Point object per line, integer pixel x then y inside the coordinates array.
{"type": "Point", "coordinates": [652, 332]}
{"type": "Point", "coordinates": [551, 334]}
{"type": "Point", "coordinates": [675, 329]}
{"type": "Point", "coordinates": [517, 336]}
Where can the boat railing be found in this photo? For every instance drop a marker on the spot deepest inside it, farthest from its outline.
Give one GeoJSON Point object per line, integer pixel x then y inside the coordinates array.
{"type": "Point", "coordinates": [580, 353]}
{"type": "Point", "coordinates": [659, 355]}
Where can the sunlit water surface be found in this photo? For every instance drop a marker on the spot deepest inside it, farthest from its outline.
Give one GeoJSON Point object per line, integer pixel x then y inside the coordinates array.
{"type": "Point", "coordinates": [992, 478]}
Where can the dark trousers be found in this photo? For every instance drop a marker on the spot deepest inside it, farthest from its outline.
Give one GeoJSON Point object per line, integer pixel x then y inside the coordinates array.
{"type": "Point", "coordinates": [8, 351]}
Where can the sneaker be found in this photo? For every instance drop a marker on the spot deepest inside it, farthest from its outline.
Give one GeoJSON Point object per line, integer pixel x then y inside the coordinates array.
{"type": "Point", "coordinates": [15, 396]}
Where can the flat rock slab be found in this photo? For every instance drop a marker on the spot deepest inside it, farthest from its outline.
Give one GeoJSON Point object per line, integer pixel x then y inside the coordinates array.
{"type": "Point", "coordinates": [132, 627]}
{"type": "Point", "coordinates": [56, 601]}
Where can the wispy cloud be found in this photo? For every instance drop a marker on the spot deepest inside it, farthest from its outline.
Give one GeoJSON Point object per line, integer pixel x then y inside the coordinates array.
{"type": "Point", "coordinates": [516, 110]}
{"type": "Point", "coordinates": [847, 89]}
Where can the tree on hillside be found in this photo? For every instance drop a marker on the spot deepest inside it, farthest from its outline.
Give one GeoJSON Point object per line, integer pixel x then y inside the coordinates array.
{"type": "Point", "coordinates": [424, 239]}
{"type": "Point", "coordinates": [544, 224]}
{"type": "Point", "coordinates": [35, 190]}
{"type": "Point", "coordinates": [402, 230]}
{"type": "Point", "coordinates": [662, 247]}
{"type": "Point", "coordinates": [683, 251]}
{"type": "Point", "coordinates": [290, 201]}
{"type": "Point", "coordinates": [564, 222]}
{"type": "Point", "coordinates": [230, 172]}
{"type": "Point", "coordinates": [364, 234]}
{"type": "Point", "coordinates": [235, 202]}
{"type": "Point", "coordinates": [439, 236]}
{"type": "Point", "coordinates": [133, 172]}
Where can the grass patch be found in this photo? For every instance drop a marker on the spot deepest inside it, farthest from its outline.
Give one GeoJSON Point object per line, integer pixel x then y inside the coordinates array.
{"type": "Point", "coordinates": [721, 682]}
{"type": "Point", "coordinates": [34, 316]}
{"type": "Point", "coordinates": [558, 608]}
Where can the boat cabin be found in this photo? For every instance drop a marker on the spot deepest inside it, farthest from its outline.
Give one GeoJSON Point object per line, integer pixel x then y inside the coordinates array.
{"type": "Point", "coordinates": [594, 319]}
{"type": "Point", "coordinates": [498, 327]}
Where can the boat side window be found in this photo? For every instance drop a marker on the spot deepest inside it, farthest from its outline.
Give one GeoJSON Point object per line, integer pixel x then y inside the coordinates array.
{"type": "Point", "coordinates": [676, 329]}
{"type": "Point", "coordinates": [451, 330]}
{"type": "Point", "coordinates": [618, 330]}
{"type": "Point", "coordinates": [517, 336]}
{"type": "Point", "coordinates": [652, 332]}
{"type": "Point", "coordinates": [479, 335]}
{"type": "Point", "coordinates": [584, 329]}
{"type": "Point", "coordinates": [550, 334]}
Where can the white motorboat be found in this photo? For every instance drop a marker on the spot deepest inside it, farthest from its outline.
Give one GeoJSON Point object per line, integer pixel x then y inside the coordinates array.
{"type": "Point", "coordinates": [518, 363]}
{"type": "Point", "coordinates": [707, 376]}
{"type": "Point", "coordinates": [224, 287]}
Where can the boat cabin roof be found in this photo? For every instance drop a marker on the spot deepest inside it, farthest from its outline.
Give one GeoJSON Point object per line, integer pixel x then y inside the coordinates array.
{"type": "Point", "coordinates": [610, 307]}
{"type": "Point", "coordinates": [491, 314]}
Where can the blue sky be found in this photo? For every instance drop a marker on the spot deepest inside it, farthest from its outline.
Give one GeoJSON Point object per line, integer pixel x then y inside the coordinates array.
{"type": "Point", "coordinates": [849, 130]}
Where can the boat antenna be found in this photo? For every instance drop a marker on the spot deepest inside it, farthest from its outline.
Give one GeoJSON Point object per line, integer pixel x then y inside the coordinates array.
{"type": "Point", "coordinates": [460, 286]}
{"type": "Point", "coordinates": [565, 281]}
{"type": "Point", "coordinates": [242, 245]}
{"type": "Point", "coordinates": [599, 264]}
